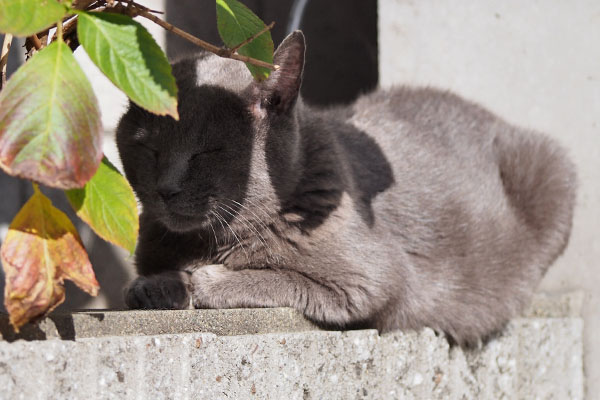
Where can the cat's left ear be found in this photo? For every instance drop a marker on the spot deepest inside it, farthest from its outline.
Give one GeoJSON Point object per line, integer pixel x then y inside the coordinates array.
{"type": "Point", "coordinates": [280, 91]}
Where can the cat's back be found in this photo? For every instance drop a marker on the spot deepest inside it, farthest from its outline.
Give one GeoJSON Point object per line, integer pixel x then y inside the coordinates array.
{"type": "Point", "coordinates": [465, 179]}
{"type": "Point", "coordinates": [426, 120]}
{"type": "Point", "coordinates": [441, 149]}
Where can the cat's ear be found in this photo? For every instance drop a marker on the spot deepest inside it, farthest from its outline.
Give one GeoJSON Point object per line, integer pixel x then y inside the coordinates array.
{"type": "Point", "coordinates": [280, 91]}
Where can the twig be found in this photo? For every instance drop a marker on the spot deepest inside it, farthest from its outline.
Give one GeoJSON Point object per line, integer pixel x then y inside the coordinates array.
{"type": "Point", "coordinates": [251, 38]}
{"type": "Point", "coordinates": [141, 7]}
{"type": "Point", "coordinates": [4, 58]}
{"type": "Point", "coordinates": [82, 4]}
{"type": "Point", "coordinates": [221, 52]}
{"type": "Point", "coordinates": [36, 41]}
{"type": "Point", "coordinates": [134, 9]}
{"type": "Point", "coordinates": [69, 27]}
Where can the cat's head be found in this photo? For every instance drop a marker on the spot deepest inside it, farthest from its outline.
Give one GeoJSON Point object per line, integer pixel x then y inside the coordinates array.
{"type": "Point", "coordinates": [235, 145]}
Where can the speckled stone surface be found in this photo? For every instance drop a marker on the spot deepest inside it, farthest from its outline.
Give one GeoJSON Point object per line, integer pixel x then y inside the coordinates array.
{"type": "Point", "coordinates": [277, 354]}
{"type": "Point", "coordinates": [534, 358]}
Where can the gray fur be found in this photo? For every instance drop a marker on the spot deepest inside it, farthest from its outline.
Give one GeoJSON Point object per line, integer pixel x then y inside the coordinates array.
{"type": "Point", "coordinates": [410, 208]}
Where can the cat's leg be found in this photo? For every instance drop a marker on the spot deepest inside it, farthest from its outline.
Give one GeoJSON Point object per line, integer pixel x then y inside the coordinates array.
{"type": "Point", "coordinates": [339, 303]}
{"type": "Point", "coordinates": [166, 290]}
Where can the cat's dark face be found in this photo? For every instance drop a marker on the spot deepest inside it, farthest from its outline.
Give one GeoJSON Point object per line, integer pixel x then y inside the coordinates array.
{"type": "Point", "coordinates": [199, 171]}
{"type": "Point", "coordinates": [181, 169]}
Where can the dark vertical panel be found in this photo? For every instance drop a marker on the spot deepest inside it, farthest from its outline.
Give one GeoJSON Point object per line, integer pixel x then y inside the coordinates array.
{"type": "Point", "coordinates": [341, 59]}
{"type": "Point", "coordinates": [196, 17]}
{"type": "Point", "coordinates": [278, 11]}
{"type": "Point", "coordinates": [341, 54]}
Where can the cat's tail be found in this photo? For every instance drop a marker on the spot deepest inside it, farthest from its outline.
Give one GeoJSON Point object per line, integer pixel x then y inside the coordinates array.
{"type": "Point", "coordinates": [540, 183]}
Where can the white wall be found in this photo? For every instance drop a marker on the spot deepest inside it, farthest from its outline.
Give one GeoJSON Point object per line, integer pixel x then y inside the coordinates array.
{"type": "Point", "coordinates": [535, 63]}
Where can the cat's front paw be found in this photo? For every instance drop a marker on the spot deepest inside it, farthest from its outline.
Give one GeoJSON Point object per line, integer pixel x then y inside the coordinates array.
{"type": "Point", "coordinates": [205, 284]}
{"type": "Point", "coordinates": [168, 290]}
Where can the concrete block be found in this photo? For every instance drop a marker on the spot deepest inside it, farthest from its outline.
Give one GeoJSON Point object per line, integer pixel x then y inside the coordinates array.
{"type": "Point", "coordinates": [276, 353]}
{"type": "Point", "coordinates": [533, 358]}
{"type": "Point", "coordinates": [550, 351]}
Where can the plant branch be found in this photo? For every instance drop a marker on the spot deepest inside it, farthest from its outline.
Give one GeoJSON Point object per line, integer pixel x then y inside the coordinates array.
{"type": "Point", "coordinates": [36, 42]}
{"type": "Point", "coordinates": [141, 7]}
{"type": "Point", "coordinates": [134, 9]}
{"type": "Point", "coordinates": [221, 52]}
{"type": "Point", "coordinates": [4, 58]}
{"type": "Point", "coordinates": [82, 4]}
{"type": "Point", "coordinates": [251, 38]}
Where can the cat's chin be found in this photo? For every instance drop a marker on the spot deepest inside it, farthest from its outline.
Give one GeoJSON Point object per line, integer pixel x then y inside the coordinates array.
{"type": "Point", "coordinates": [183, 223]}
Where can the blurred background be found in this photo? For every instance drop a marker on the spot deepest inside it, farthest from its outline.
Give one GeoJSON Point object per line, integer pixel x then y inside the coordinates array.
{"type": "Point", "coordinates": [536, 64]}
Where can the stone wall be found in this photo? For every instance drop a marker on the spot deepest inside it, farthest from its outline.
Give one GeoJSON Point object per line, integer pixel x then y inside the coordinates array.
{"type": "Point", "coordinates": [276, 354]}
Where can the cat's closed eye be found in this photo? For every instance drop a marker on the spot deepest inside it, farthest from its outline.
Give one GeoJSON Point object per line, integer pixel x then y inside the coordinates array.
{"type": "Point", "coordinates": [148, 149]}
{"type": "Point", "coordinates": [207, 152]}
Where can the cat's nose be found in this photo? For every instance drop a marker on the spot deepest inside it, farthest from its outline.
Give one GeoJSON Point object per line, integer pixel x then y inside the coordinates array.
{"type": "Point", "coordinates": [167, 192]}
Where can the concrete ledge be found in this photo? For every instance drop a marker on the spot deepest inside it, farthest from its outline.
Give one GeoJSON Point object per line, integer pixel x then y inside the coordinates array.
{"type": "Point", "coordinates": [97, 323]}
{"type": "Point", "coordinates": [534, 358]}
{"type": "Point", "coordinates": [276, 353]}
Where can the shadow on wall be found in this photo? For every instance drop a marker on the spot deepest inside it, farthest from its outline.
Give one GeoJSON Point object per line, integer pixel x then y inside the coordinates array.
{"type": "Point", "coordinates": [111, 265]}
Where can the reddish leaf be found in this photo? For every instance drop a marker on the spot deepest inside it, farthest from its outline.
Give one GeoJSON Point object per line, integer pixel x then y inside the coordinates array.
{"type": "Point", "coordinates": [42, 248]}
{"type": "Point", "coordinates": [50, 129]}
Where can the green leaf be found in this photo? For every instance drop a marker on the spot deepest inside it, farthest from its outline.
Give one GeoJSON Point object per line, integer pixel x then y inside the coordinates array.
{"type": "Point", "coordinates": [26, 17]}
{"type": "Point", "coordinates": [50, 130]}
{"type": "Point", "coordinates": [128, 55]}
{"type": "Point", "coordinates": [237, 23]}
{"type": "Point", "coordinates": [108, 206]}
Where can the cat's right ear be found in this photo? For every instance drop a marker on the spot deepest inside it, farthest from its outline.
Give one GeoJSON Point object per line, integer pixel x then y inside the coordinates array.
{"type": "Point", "coordinates": [280, 91]}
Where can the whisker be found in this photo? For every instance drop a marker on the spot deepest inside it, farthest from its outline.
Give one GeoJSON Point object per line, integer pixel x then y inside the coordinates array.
{"type": "Point", "coordinates": [234, 235]}
{"type": "Point", "coordinates": [258, 219]}
{"type": "Point", "coordinates": [213, 230]}
{"type": "Point", "coordinates": [248, 225]}
{"type": "Point", "coordinates": [259, 207]}
{"type": "Point", "coordinates": [163, 236]}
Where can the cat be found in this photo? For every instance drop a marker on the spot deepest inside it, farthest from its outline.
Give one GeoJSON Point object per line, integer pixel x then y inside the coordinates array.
{"type": "Point", "coordinates": [410, 207]}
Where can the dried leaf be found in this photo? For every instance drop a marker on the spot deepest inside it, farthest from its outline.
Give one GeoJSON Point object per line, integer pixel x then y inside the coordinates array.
{"type": "Point", "coordinates": [41, 249]}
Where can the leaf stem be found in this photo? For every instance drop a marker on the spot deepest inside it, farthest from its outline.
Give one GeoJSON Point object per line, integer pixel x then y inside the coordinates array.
{"type": "Point", "coordinates": [59, 31]}
{"type": "Point", "coordinates": [251, 38]}
{"type": "Point", "coordinates": [4, 58]}
{"type": "Point", "coordinates": [221, 52]}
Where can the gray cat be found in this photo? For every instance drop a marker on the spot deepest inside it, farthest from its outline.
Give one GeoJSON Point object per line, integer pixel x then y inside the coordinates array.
{"type": "Point", "coordinates": [409, 208]}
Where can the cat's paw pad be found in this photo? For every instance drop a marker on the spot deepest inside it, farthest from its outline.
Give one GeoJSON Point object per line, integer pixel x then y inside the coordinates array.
{"type": "Point", "coordinates": [204, 282]}
{"type": "Point", "coordinates": [162, 291]}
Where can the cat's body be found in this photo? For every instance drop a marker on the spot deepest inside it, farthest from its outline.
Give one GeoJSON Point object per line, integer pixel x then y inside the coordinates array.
{"type": "Point", "coordinates": [409, 208]}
